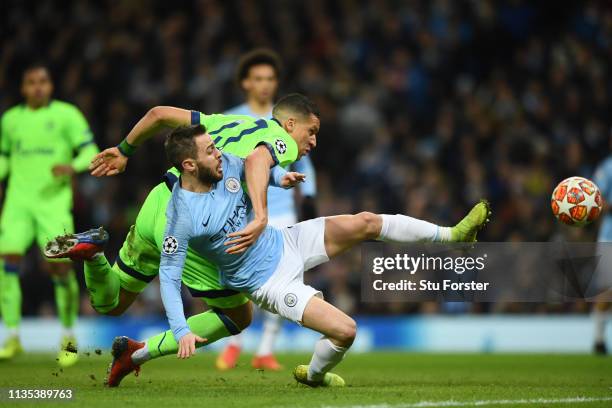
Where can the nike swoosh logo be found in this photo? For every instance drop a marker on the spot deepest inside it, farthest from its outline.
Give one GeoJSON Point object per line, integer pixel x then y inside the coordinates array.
{"type": "Point", "coordinates": [205, 224]}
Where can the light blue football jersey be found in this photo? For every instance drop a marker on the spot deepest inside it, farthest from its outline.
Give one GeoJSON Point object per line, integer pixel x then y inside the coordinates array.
{"type": "Point", "coordinates": [203, 221]}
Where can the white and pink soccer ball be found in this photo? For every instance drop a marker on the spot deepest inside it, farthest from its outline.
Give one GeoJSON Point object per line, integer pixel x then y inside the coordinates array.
{"type": "Point", "coordinates": [576, 201]}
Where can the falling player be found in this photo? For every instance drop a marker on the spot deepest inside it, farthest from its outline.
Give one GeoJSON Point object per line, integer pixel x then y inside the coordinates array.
{"type": "Point", "coordinates": [210, 212]}
{"type": "Point", "coordinates": [38, 141]}
{"type": "Point", "coordinates": [113, 289]}
{"type": "Point", "coordinates": [258, 76]}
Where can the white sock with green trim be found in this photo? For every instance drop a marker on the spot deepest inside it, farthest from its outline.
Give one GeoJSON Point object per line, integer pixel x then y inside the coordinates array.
{"type": "Point", "coordinates": [325, 357]}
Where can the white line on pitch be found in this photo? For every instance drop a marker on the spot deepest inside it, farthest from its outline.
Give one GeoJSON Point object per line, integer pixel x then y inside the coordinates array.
{"type": "Point", "coordinates": [479, 403]}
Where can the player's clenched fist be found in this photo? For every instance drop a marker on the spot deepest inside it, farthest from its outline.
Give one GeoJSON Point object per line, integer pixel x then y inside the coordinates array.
{"type": "Point", "coordinates": [187, 345]}
{"type": "Point", "coordinates": [109, 162]}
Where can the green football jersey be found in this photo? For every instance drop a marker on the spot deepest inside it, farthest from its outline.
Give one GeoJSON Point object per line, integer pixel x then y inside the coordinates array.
{"type": "Point", "coordinates": [239, 135]}
{"type": "Point", "coordinates": [36, 140]}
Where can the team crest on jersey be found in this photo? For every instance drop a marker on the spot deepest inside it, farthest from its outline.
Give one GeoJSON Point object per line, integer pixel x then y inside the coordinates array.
{"type": "Point", "coordinates": [170, 245]}
{"type": "Point", "coordinates": [280, 146]}
{"type": "Point", "coordinates": [232, 184]}
{"type": "Point", "coordinates": [291, 299]}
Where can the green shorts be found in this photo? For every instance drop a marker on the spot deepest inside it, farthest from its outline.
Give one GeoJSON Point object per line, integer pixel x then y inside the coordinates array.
{"type": "Point", "coordinates": [138, 260]}
{"type": "Point", "coordinates": [23, 221]}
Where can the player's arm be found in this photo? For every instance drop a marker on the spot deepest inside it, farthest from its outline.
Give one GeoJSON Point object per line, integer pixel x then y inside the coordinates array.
{"type": "Point", "coordinates": [257, 173]}
{"type": "Point", "coordinates": [308, 189]}
{"type": "Point", "coordinates": [172, 260]}
{"type": "Point", "coordinates": [113, 160]}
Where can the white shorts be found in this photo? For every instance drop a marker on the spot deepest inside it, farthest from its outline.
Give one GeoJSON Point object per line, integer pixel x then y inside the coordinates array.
{"type": "Point", "coordinates": [285, 292]}
{"type": "Point", "coordinates": [282, 221]}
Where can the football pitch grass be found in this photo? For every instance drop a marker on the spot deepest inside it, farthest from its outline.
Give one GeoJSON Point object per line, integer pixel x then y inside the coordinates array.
{"type": "Point", "coordinates": [381, 380]}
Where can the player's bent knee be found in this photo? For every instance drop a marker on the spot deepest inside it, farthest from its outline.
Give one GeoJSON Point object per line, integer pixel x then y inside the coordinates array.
{"type": "Point", "coordinates": [242, 316]}
{"type": "Point", "coordinates": [372, 224]}
{"type": "Point", "coordinates": [346, 333]}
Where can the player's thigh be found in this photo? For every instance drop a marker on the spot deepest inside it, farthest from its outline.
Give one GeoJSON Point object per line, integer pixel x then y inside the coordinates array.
{"type": "Point", "coordinates": [17, 227]}
{"type": "Point", "coordinates": [137, 263]}
{"type": "Point", "coordinates": [345, 231]}
{"type": "Point", "coordinates": [329, 321]}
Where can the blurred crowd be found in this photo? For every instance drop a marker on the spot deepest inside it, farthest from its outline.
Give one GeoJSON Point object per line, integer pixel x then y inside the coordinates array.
{"type": "Point", "coordinates": [426, 106]}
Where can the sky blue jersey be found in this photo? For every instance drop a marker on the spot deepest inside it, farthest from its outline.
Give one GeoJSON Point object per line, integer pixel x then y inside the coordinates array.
{"type": "Point", "coordinates": [603, 179]}
{"type": "Point", "coordinates": [280, 201]}
{"type": "Point", "coordinates": [202, 221]}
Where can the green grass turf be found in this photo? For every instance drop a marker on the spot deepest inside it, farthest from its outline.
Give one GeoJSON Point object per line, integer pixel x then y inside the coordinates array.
{"type": "Point", "coordinates": [374, 378]}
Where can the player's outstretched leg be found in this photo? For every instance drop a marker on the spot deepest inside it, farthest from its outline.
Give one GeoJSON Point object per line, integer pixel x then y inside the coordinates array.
{"type": "Point", "coordinates": [10, 302]}
{"type": "Point", "coordinates": [129, 355]}
{"type": "Point", "coordinates": [264, 358]}
{"type": "Point", "coordinates": [67, 301]}
{"type": "Point", "coordinates": [342, 232]}
{"type": "Point", "coordinates": [338, 330]}
{"type": "Point", "coordinates": [600, 315]}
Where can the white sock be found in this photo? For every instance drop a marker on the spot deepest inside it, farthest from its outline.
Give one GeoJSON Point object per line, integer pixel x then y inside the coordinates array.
{"type": "Point", "coordinates": [13, 332]}
{"type": "Point", "coordinates": [235, 340]}
{"type": "Point", "coordinates": [326, 356]}
{"type": "Point", "coordinates": [600, 325]}
{"type": "Point", "coordinates": [403, 229]}
{"type": "Point", "coordinates": [141, 355]}
{"type": "Point", "coordinates": [271, 327]}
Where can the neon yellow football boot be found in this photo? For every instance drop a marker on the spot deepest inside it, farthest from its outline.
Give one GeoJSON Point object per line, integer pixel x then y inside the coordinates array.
{"type": "Point", "coordinates": [12, 347]}
{"type": "Point", "coordinates": [67, 355]}
{"type": "Point", "coordinates": [468, 227]}
{"type": "Point", "coordinates": [329, 380]}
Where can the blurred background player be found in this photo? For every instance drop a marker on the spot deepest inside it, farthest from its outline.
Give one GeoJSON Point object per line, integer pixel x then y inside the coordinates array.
{"type": "Point", "coordinates": [603, 179]}
{"type": "Point", "coordinates": [43, 143]}
{"type": "Point", "coordinates": [258, 77]}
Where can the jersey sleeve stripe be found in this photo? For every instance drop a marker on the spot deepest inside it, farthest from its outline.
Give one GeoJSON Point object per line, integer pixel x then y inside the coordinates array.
{"type": "Point", "coordinates": [271, 150]}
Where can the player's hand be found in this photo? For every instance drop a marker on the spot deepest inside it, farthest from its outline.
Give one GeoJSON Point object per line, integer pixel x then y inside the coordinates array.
{"type": "Point", "coordinates": [292, 179]}
{"type": "Point", "coordinates": [62, 170]}
{"type": "Point", "coordinates": [246, 237]}
{"type": "Point", "coordinates": [187, 345]}
{"type": "Point", "coordinates": [109, 162]}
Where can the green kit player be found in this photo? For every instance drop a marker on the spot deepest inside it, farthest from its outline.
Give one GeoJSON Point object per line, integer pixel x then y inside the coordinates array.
{"type": "Point", "coordinates": [281, 140]}
{"type": "Point", "coordinates": [43, 142]}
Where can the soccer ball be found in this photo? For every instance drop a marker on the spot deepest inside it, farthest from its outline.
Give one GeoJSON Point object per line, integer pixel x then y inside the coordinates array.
{"type": "Point", "coordinates": [576, 201]}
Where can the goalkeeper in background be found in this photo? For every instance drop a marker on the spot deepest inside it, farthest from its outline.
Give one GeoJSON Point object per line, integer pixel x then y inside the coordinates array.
{"type": "Point", "coordinates": [258, 76]}
{"type": "Point", "coordinates": [43, 143]}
